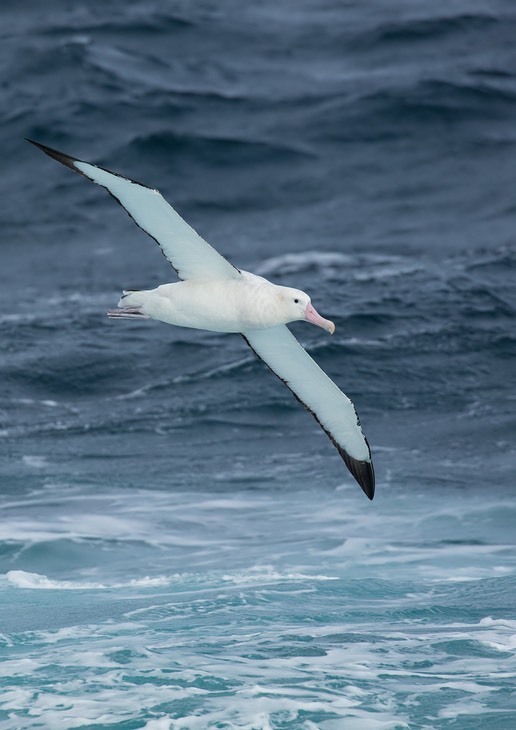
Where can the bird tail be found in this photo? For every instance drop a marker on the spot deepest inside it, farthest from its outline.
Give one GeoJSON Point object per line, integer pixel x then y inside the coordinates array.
{"type": "Point", "coordinates": [129, 306]}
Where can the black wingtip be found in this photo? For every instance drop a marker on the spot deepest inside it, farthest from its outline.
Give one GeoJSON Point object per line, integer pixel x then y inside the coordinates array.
{"type": "Point", "coordinates": [365, 477]}
{"type": "Point", "coordinates": [59, 156]}
{"type": "Point", "coordinates": [363, 471]}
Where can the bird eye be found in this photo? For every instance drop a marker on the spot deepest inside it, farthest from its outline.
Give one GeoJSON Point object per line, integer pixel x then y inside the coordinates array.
{"type": "Point", "coordinates": [296, 301]}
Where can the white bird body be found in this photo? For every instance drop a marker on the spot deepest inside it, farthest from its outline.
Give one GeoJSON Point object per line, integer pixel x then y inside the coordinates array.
{"type": "Point", "coordinates": [219, 305]}
{"type": "Point", "coordinates": [215, 295]}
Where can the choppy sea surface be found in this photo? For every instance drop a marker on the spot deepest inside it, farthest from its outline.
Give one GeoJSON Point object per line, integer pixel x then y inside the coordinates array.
{"type": "Point", "coordinates": [181, 548]}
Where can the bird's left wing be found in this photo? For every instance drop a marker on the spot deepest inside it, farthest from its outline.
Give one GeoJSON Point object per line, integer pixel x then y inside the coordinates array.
{"type": "Point", "coordinates": [190, 255]}
{"type": "Point", "coordinates": [335, 413]}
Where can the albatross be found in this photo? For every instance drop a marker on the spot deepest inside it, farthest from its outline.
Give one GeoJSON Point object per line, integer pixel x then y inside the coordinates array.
{"type": "Point", "coordinates": [213, 294]}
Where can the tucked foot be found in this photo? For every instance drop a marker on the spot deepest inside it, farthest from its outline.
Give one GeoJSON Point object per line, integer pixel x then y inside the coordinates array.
{"type": "Point", "coordinates": [126, 313]}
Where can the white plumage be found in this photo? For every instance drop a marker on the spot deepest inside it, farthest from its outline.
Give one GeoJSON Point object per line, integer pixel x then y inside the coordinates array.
{"type": "Point", "coordinates": [215, 295]}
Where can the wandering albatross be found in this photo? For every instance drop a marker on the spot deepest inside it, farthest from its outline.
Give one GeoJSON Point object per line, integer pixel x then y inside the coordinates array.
{"type": "Point", "coordinates": [213, 294]}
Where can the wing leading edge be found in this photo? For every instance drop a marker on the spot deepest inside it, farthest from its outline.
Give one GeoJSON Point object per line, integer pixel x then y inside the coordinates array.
{"type": "Point", "coordinates": [333, 411]}
{"type": "Point", "coordinates": [189, 254]}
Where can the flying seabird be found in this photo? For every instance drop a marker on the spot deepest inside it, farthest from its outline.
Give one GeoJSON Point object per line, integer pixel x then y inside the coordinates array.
{"type": "Point", "coordinates": [213, 294]}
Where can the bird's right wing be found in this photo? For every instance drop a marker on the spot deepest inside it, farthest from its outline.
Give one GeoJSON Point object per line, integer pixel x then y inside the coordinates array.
{"type": "Point", "coordinates": [190, 255]}
{"type": "Point", "coordinates": [333, 411]}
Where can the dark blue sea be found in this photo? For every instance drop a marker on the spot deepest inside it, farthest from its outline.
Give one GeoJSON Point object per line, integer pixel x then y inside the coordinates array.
{"type": "Point", "coordinates": [181, 547]}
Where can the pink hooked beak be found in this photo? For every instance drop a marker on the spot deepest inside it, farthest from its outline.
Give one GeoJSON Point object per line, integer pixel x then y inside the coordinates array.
{"type": "Point", "coordinates": [312, 316]}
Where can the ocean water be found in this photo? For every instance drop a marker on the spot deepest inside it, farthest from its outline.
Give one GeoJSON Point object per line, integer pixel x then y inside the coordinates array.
{"type": "Point", "coordinates": [181, 547]}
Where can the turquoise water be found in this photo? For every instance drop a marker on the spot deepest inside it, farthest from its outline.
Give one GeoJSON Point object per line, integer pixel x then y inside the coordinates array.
{"type": "Point", "coordinates": [259, 610]}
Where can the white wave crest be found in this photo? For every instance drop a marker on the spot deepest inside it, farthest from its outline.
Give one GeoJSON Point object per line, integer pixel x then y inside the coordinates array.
{"type": "Point", "coordinates": [22, 579]}
{"type": "Point", "coordinates": [294, 262]}
{"type": "Point", "coordinates": [361, 267]}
